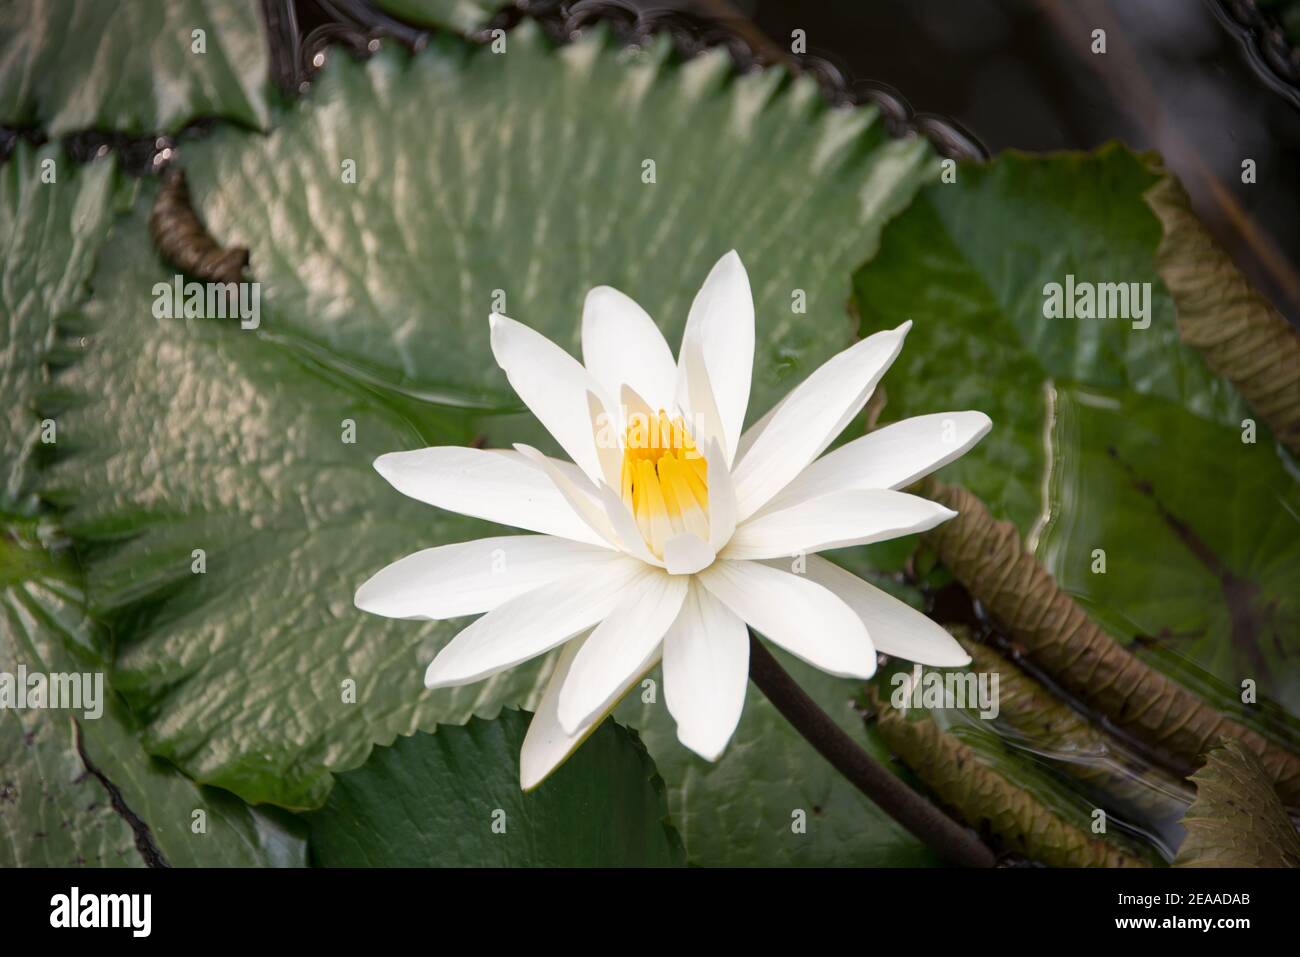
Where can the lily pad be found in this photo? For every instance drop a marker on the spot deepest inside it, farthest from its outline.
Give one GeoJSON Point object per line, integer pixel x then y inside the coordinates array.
{"type": "Point", "coordinates": [452, 799]}
{"type": "Point", "coordinates": [76, 786]}
{"type": "Point", "coordinates": [53, 217]}
{"type": "Point", "coordinates": [209, 437]}
{"type": "Point", "coordinates": [133, 66]}
{"type": "Point", "coordinates": [1109, 433]}
{"type": "Point", "coordinates": [771, 800]}
{"type": "Point", "coordinates": [515, 182]}
{"type": "Point", "coordinates": [204, 435]}
{"type": "Point", "coordinates": [53, 813]}
{"type": "Point", "coordinates": [1213, 584]}
{"type": "Point", "coordinates": [309, 545]}
{"type": "Point", "coordinates": [1237, 819]}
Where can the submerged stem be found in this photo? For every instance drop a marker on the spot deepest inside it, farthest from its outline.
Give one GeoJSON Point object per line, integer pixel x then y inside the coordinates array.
{"type": "Point", "coordinates": [925, 821]}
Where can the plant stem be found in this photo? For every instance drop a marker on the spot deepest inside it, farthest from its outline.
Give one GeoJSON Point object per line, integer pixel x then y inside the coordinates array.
{"type": "Point", "coordinates": [951, 841]}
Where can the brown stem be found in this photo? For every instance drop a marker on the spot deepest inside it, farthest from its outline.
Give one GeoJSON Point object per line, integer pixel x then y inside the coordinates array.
{"type": "Point", "coordinates": [925, 821]}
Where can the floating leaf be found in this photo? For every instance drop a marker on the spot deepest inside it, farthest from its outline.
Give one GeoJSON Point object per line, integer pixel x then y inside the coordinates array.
{"type": "Point", "coordinates": [771, 799]}
{"type": "Point", "coordinates": [131, 66]}
{"type": "Point", "coordinates": [1236, 819]}
{"type": "Point", "coordinates": [57, 765]}
{"type": "Point", "coordinates": [51, 233]}
{"type": "Point", "coordinates": [408, 197]}
{"type": "Point", "coordinates": [1110, 434]}
{"type": "Point", "coordinates": [1205, 593]}
{"type": "Point", "coordinates": [232, 440]}
{"type": "Point", "coordinates": [226, 449]}
{"type": "Point", "coordinates": [53, 813]}
{"type": "Point", "coordinates": [452, 799]}
{"type": "Point", "coordinates": [968, 263]}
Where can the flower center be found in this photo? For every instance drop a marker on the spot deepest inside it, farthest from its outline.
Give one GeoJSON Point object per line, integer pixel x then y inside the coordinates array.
{"type": "Point", "coordinates": [665, 479]}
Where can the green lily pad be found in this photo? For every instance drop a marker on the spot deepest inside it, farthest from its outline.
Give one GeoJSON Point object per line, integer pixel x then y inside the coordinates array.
{"type": "Point", "coordinates": [204, 712]}
{"type": "Point", "coordinates": [53, 813]}
{"type": "Point", "coordinates": [514, 182]}
{"type": "Point", "coordinates": [1108, 433]}
{"type": "Point", "coordinates": [132, 66]}
{"type": "Point", "coordinates": [771, 800]}
{"type": "Point", "coordinates": [53, 217]}
{"type": "Point", "coordinates": [452, 799]}
{"type": "Point", "coordinates": [1201, 535]}
{"type": "Point", "coordinates": [205, 435]}
{"type": "Point", "coordinates": [57, 765]}
{"type": "Point", "coordinates": [211, 437]}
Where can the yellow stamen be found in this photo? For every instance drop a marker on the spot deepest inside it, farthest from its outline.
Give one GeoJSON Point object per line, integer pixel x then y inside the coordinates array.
{"type": "Point", "coordinates": [664, 479]}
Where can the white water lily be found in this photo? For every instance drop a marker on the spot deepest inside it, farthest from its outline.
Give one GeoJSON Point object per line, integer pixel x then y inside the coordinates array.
{"type": "Point", "coordinates": [671, 529]}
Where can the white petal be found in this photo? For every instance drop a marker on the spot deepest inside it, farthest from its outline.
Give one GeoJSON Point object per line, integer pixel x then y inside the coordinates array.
{"type": "Point", "coordinates": [894, 456]}
{"type": "Point", "coordinates": [811, 416]}
{"type": "Point", "coordinates": [547, 744]}
{"type": "Point", "coordinates": [554, 385]}
{"type": "Point", "coordinates": [702, 416]}
{"type": "Point", "coordinates": [836, 520]}
{"type": "Point", "coordinates": [627, 636]}
{"type": "Point", "coordinates": [751, 434]}
{"type": "Point", "coordinates": [721, 322]}
{"type": "Point", "coordinates": [706, 671]}
{"type": "Point", "coordinates": [621, 345]}
{"type": "Point", "coordinates": [578, 493]}
{"type": "Point", "coordinates": [566, 468]}
{"type": "Point", "coordinates": [722, 498]}
{"type": "Point", "coordinates": [470, 578]}
{"type": "Point", "coordinates": [533, 623]}
{"type": "Point", "coordinates": [625, 527]}
{"type": "Point", "coordinates": [896, 628]}
{"type": "Point", "coordinates": [685, 554]}
{"type": "Point", "coordinates": [495, 485]}
{"type": "Point", "coordinates": [802, 617]}
{"type": "Point", "coordinates": [634, 404]}
{"type": "Point", "coordinates": [607, 427]}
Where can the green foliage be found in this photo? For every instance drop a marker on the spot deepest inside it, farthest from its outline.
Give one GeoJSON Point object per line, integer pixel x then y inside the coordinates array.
{"type": "Point", "coordinates": [452, 799]}
{"type": "Point", "coordinates": [387, 214]}
{"type": "Point", "coordinates": [132, 66]}
{"type": "Point", "coordinates": [1106, 436]}
{"type": "Point", "coordinates": [1236, 819]}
